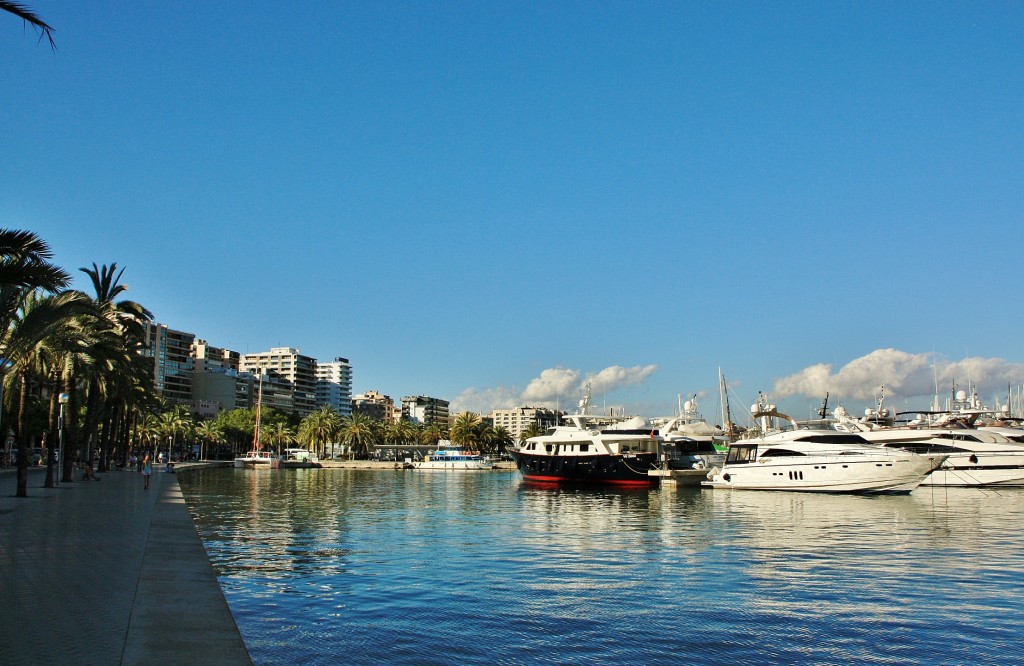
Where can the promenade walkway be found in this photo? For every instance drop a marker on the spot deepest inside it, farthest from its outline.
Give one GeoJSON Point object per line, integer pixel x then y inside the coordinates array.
{"type": "Point", "coordinates": [104, 572]}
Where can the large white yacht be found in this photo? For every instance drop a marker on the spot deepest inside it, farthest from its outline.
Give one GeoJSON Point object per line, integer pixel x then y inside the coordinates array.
{"type": "Point", "coordinates": [988, 456]}
{"type": "Point", "coordinates": [816, 460]}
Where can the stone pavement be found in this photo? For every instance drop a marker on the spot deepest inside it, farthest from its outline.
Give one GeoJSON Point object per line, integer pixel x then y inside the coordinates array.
{"type": "Point", "coordinates": [104, 572]}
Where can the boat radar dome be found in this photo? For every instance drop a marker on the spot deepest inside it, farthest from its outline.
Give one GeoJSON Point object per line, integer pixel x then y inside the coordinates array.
{"type": "Point", "coordinates": [869, 412]}
{"type": "Point", "coordinates": [961, 395]}
{"type": "Point", "coordinates": [687, 405]}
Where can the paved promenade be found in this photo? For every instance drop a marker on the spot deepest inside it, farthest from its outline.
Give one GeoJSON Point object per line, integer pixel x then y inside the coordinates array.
{"type": "Point", "coordinates": [104, 572]}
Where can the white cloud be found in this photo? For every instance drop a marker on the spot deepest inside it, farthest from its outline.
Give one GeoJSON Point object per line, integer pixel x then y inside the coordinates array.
{"type": "Point", "coordinates": [904, 375]}
{"type": "Point", "coordinates": [615, 376]}
{"type": "Point", "coordinates": [552, 385]}
{"type": "Point", "coordinates": [558, 388]}
{"type": "Point", "coordinates": [485, 400]}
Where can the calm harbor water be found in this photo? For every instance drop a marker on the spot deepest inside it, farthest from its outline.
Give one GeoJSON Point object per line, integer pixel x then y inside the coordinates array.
{"type": "Point", "coordinates": [410, 567]}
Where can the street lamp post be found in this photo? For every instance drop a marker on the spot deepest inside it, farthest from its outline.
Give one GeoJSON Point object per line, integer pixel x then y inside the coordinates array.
{"type": "Point", "coordinates": [63, 400]}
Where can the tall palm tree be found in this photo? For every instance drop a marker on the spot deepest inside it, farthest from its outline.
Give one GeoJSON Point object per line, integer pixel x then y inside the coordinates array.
{"type": "Point", "coordinates": [280, 435]}
{"type": "Point", "coordinates": [209, 433]}
{"type": "Point", "coordinates": [30, 17]}
{"type": "Point", "coordinates": [359, 432]}
{"type": "Point", "coordinates": [502, 438]}
{"type": "Point", "coordinates": [320, 428]}
{"type": "Point", "coordinates": [120, 333]}
{"type": "Point", "coordinates": [431, 434]}
{"type": "Point", "coordinates": [465, 429]}
{"type": "Point", "coordinates": [24, 268]}
{"type": "Point", "coordinates": [42, 321]}
{"type": "Point", "coordinates": [172, 422]}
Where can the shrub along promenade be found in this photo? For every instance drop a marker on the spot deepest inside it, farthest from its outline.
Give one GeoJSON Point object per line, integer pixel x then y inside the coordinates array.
{"type": "Point", "coordinates": [105, 572]}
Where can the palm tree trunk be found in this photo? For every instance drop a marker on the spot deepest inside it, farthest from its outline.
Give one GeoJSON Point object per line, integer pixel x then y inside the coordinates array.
{"type": "Point", "coordinates": [92, 421]}
{"type": "Point", "coordinates": [23, 453]}
{"type": "Point", "coordinates": [70, 430]}
{"type": "Point", "coordinates": [53, 428]}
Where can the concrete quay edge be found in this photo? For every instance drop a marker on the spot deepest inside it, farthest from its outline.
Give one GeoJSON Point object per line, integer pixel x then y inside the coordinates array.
{"type": "Point", "coordinates": [107, 572]}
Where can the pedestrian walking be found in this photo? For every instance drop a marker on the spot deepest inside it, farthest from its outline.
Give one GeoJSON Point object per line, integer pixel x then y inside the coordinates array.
{"type": "Point", "coordinates": [147, 471]}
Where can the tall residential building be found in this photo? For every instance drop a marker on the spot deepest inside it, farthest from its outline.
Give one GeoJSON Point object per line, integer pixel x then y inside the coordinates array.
{"type": "Point", "coordinates": [288, 364]}
{"type": "Point", "coordinates": [334, 385]}
{"type": "Point", "coordinates": [517, 420]}
{"type": "Point", "coordinates": [426, 410]}
{"type": "Point", "coordinates": [208, 357]}
{"type": "Point", "coordinates": [171, 353]}
{"type": "Point", "coordinates": [377, 406]}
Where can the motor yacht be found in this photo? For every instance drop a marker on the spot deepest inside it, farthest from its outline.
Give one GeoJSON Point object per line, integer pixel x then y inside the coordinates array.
{"type": "Point", "coordinates": [592, 449]}
{"type": "Point", "coordinates": [817, 460]}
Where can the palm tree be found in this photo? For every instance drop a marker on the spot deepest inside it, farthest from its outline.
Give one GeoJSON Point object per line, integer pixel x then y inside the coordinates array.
{"type": "Point", "coordinates": [148, 429]}
{"type": "Point", "coordinates": [209, 433]}
{"type": "Point", "coordinates": [502, 439]}
{"type": "Point", "coordinates": [42, 322]}
{"type": "Point", "coordinates": [431, 434]}
{"type": "Point", "coordinates": [30, 17]}
{"type": "Point", "coordinates": [118, 327]}
{"type": "Point", "coordinates": [532, 430]}
{"type": "Point", "coordinates": [280, 435]}
{"type": "Point", "coordinates": [173, 421]}
{"type": "Point", "coordinates": [465, 429]}
{"type": "Point", "coordinates": [24, 268]}
{"type": "Point", "coordinates": [320, 428]}
{"type": "Point", "coordinates": [359, 432]}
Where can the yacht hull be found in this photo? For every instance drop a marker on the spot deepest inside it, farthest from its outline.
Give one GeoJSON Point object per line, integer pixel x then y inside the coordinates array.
{"type": "Point", "coordinates": [826, 475]}
{"type": "Point", "coordinates": [621, 470]}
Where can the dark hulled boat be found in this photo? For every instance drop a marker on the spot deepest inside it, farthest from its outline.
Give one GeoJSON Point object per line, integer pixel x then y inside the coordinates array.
{"type": "Point", "coordinates": [583, 451]}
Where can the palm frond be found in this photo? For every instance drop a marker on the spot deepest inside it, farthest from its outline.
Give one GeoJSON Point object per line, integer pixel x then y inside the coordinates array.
{"type": "Point", "coordinates": [30, 17]}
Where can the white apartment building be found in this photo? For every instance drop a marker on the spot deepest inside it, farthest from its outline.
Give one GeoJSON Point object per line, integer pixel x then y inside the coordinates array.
{"type": "Point", "coordinates": [334, 385]}
{"type": "Point", "coordinates": [517, 420]}
{"type": "Point", "coordinates": [288, 364]}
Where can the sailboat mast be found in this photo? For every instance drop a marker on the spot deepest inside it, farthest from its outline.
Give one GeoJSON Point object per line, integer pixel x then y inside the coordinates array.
{"type": "Point", "coordinates": [259, 404]}
{"type": "Point", "coordinates": [724, 396]}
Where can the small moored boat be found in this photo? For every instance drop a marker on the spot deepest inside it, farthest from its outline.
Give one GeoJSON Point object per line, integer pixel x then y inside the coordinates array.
{"type": "Point", "coordinates": [450, 456]}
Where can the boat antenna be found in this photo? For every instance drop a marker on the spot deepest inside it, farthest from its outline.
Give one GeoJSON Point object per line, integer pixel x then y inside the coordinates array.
{"type": "Point", "coordinates": [823, 410]}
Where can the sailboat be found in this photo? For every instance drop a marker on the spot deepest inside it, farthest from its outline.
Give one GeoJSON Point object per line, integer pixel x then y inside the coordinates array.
{"type": "Point", "coordinates": [256, 457]}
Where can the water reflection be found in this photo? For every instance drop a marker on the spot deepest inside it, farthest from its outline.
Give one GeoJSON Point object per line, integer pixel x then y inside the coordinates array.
{"type": "Point", "coordinates": [473, 568]}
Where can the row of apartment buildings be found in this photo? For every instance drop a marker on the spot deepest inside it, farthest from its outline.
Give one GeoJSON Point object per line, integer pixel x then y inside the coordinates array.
{"type": "Point", "coordinates": [190, 371]}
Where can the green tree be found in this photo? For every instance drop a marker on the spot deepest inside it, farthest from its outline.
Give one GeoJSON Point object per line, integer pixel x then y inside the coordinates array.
{"type": "Point", "coordinates": [40, 322]}
{"type": "Point", "coordinates": [359, 432]}
{"type": "Point", "coordinates": [319, 429]}
{"type": "Point", "coordinates": [208, 432]}
{"type": "Point", "coordinates": [532, 430]}
{"type": "Point", "coordinates": [465, 430]}
{"type": "Point", "coordinates": [431, 434]}
{"type": "Point", "coordinates": [24, 268]}
{"type": "Point", "coordinates": [173, 422]}
{"type": "Point", "coordinates": [280, 435]}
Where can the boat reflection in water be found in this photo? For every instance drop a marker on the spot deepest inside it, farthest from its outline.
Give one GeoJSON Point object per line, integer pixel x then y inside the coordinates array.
{"type": "Point", "coordinates": [314, 559]}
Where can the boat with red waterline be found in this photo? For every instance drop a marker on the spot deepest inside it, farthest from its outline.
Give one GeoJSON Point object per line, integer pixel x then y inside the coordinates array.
{"type": "Point", "coordinates": [592, 449]}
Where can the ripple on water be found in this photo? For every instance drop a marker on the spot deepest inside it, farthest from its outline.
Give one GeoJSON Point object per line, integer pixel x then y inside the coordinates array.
{"type": "Point", "coordinates": [350, 566]}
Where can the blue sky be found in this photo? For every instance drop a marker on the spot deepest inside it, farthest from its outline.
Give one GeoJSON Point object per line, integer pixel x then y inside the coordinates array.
{"type": "Point", "coordinates": [492, 202]}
